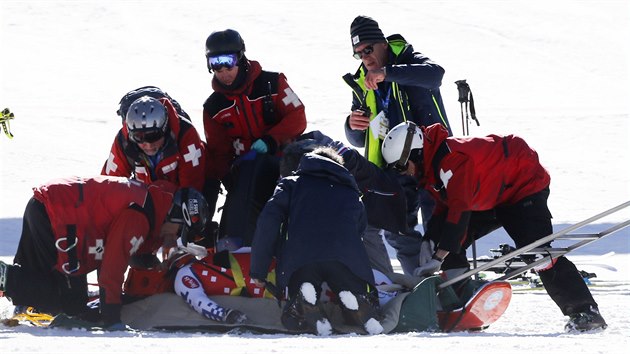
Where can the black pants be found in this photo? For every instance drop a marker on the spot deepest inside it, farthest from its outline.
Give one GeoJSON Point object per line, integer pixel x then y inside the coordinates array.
{"type": "Point", "coordinates": [33, 281]}
{"type": "Point", "coordinates": [527, 221]}
{"type": "Point", "coordinates": [250, 184]}
{"type": "Point", "coordinates": [334, 273]}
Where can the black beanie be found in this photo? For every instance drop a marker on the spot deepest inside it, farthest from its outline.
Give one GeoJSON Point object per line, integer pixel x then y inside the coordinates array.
{"type": "Point", "coordinates": [364, 29]}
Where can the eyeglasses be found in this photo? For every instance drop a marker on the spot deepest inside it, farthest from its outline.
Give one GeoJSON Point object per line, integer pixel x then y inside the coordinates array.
{"type": "Point", "coordinates": [224, 60]}
{"type": "Point", "coordinates": [365, 51]}
{"type": "Point", "coordinates": [146, 136]}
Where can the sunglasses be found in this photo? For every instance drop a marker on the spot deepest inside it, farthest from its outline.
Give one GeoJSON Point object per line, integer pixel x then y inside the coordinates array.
{"type": "Point", "coordinates": [365, 51]}
{"type": "Point", "coordinates": [146, 136]}
{"type": "Point", "coordinates": [223, 61]}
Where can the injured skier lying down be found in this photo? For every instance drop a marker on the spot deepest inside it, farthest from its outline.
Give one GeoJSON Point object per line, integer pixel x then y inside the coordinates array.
{"type": "Point", "coordinates": [213, 293]}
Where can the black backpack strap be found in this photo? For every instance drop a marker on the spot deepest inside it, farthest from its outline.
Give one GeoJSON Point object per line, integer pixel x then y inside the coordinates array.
{"type": "Point", "coordinates": [148, 210]}
{"type": "Point", "coordinates": [71, 239]}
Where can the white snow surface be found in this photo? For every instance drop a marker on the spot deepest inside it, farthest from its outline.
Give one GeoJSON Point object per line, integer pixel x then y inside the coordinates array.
{"type": "Point", "coordinates": [553, 72]}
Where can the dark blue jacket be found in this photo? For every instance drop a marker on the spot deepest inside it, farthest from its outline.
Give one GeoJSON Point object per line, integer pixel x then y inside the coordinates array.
{"type": "Point", "coordinates": [321, 217]}
{"type": "Point", "coordinates": [418, 98]}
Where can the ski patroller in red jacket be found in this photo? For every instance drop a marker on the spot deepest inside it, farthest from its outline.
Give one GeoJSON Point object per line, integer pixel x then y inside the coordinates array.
{"type": "Point", "coordinates": [109, 218]}
{"type": "Point", "coordinates": [233, 120]}
{"type": "Point", "coordinates": [183, 161]}
{"type": "Point", "coordinates": [476, 174]}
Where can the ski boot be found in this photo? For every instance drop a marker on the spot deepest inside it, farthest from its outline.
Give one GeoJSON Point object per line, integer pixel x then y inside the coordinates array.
{"type": "Point", "coordinates": [234, 317]}
{"type": "Point", "coordinates": [303, 313]}
{"type": "Point", "coordinates": [5, 116]}
{"type": "Point", "coordinates": [585, 321]}
{"type": "Point", "coordinates": [361, 311]}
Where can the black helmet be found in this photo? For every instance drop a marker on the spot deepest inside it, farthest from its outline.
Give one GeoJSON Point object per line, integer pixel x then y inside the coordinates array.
{"type": "Point", "coordinates": [225, 42]}
{"type": "Point", "coordinates": [191, 210]}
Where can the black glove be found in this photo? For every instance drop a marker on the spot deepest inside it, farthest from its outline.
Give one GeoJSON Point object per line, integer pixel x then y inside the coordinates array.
{"type": "Point", "coordinates": [318, 137]}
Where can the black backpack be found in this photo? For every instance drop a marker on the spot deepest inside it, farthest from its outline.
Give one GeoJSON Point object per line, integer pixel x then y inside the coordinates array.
{"type": "Point", "coordinates": [151, 91]}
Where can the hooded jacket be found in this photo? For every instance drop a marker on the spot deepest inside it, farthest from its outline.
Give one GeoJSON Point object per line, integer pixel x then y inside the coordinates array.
{"type": "Point", "coordinates": [314, 215]}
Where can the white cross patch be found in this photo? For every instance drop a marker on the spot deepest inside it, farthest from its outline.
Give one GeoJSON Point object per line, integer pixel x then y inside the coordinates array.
{"type": "Point", "coordinates": [97, 250]}
{"type": "Point", "coordinates": [141, 171]}
{"type": "Point", "coordinates": [193, 155]}
{"type": "Point", "coordinates": [135, 244]}
{"type": "Point", "coordinates": [111, 165]}
{"type": "Point", "coordinates": [170, 167]}
{"type": "Point", "coordinates": [291, 98]}
{"type": "Point", "coordinates": [445, 176]}
{"type": "Point", "coordinates": [238, 147]}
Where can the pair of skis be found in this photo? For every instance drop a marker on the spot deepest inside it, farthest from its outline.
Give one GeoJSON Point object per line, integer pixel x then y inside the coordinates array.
{"type": "Point", "coordinates": [546, 254]}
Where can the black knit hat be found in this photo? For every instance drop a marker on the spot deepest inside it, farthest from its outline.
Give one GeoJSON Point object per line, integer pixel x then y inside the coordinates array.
{"type": "Point", "coordinates": [364, 29]}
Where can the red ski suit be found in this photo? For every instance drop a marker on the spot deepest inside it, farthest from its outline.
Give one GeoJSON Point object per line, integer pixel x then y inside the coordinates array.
{"type": "Point", "coordinates": [109, 217]}
{"type": "Point", "coordinates": [183, 161]}
{"type": "Point", "coordinates": [233, 120]}
{"type": "Point", "coordinates": [476, 174]}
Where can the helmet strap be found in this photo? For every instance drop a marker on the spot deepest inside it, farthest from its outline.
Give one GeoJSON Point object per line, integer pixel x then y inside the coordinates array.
{"type": "Point", "coordinates": [401, 164]}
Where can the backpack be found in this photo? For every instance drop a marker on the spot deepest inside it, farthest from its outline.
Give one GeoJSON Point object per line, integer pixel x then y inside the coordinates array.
{"type": "Point", "coordinates": [151, 91]}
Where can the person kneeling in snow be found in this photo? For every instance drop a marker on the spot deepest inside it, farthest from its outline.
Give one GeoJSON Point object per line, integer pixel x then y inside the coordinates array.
{"type": "Point", "coordinates": [313, 225]}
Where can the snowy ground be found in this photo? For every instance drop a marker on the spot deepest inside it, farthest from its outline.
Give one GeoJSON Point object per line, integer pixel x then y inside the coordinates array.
{"type": "Point", "coordinates": [555, 73]}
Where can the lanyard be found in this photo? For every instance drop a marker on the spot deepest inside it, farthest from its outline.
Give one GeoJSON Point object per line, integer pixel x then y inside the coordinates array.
{"type": "Point", "coordinates": [384, 101]}
{"type": "Point", "coordinates": [153, 161]}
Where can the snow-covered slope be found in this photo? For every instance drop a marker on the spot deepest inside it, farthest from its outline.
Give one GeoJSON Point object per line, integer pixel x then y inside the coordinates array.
{"type": "Point", "coordinates": [555, 73]}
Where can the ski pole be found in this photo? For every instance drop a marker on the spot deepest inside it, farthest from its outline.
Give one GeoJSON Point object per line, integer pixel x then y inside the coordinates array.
{"type": "Point", "coordinates": [463, 89]}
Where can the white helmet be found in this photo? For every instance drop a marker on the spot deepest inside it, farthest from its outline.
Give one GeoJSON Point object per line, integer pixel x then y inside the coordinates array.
{"type": "Point", "coordinates": [400, 141]}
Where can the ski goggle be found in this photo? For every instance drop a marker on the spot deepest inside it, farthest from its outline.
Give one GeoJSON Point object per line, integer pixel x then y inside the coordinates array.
{"type": "Point", "coordinates": [223, 61]}
{"type": "Point", "coordinates": [146, 136]}
{"type": "Point", "coordinates": [365, 51]}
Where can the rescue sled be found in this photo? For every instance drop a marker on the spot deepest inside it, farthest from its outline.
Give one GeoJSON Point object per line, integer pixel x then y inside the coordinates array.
{"type": "Point", "coordinates": [477, 305]}
{"type": "Point", "coordinates": [473, 306]}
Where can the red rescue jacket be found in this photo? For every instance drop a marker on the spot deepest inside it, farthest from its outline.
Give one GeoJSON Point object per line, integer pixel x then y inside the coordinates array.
{"type": "Point", "coordinates": [100, 222]}
{"type": "Point", "coordinates": [183, 161]}
{"type": "Point", "coordinates": [478, 173]}
{"type": "Point", "coordinates": [233, 120]}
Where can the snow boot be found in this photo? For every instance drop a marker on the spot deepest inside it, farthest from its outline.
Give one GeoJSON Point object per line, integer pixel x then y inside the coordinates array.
{"type": "Point", "coordinates": [361, 311]}
{"type": "Point", "coordinates": [304, 314]}
{"type": "Point", "coordinates": [587, 320]}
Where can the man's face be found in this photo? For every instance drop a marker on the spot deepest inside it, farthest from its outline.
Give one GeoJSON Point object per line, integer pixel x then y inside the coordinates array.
{"type": "Point", "coordinates": [150, 149]}
{"type": "Point", "coordinates": [377, 57]}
